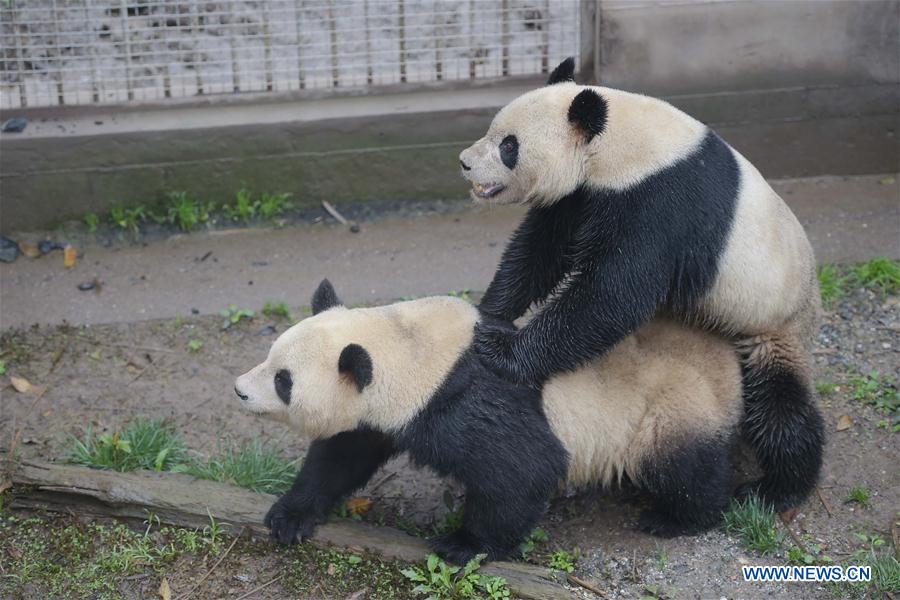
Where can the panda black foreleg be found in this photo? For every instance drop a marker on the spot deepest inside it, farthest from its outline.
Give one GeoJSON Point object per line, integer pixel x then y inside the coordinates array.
{"type": "Point", "coordinates": [492, 525]}
{"type": "Point", "coordinates": [785, 430]}
{"type": "Point", "coordinates": [533, 263]}
{"type": "Point", "coordinates": [599, 307]}
{"type": "Point", "coordinates": [333, 468]}
{"type": "Point", "coordinates": [689, 487]}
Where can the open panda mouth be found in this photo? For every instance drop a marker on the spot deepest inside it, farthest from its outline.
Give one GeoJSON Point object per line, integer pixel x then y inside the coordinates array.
{"type": "Point", "coordinates": [487, 191]}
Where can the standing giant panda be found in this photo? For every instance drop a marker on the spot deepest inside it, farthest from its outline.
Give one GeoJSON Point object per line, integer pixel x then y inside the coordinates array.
{"type": "Point", "coordinates": [637, 208]}
{"type": "Point", "coordinates": [661, 409]}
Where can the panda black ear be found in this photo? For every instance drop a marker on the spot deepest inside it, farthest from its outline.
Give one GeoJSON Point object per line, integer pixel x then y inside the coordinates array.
{"type": "Point", "coordinates": [564, 72]}
{"type": "Point", "coordinates": [356, 364]}
{"type": "Point", "coordinates": [324, 297]}
{"type": "Point", "coordinates": [588, 113]}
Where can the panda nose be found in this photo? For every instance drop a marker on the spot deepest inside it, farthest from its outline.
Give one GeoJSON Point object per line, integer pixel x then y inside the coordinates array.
{"type": "Point", "coordinates": [464, 166]}
{"type": "Point", "coordinates": [239, 394]}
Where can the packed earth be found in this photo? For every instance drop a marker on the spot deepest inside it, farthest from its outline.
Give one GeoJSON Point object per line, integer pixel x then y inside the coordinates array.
{"type": "Point", "coordinates": [158, 395]}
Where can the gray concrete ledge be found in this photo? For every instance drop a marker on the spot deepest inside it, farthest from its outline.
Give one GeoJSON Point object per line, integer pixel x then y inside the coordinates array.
{"type": "Point", "coordinates": [399, 146]}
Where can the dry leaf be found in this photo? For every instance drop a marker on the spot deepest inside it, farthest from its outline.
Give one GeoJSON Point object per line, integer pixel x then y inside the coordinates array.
{"type": "Point", "coordinates": [359, 506]}
{"type": "Point", "coordinates": [165, 592]}
{"type": "Point", "coordinates": [28, 249]}
{"type": "Point", "coordinates": [69, 256]}
{"type": "Point", "coordinates": [22, 385]}
{"type": "Point", "coordinates": [844, 422]}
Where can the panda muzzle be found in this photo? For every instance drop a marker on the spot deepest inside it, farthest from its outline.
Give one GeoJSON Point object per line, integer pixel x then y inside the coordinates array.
{"type": "Point", "coordinates": [488, 191]}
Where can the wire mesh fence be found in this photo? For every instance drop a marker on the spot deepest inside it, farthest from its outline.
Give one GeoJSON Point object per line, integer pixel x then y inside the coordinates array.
{"type": "Point", "coordinates": [77, 52]}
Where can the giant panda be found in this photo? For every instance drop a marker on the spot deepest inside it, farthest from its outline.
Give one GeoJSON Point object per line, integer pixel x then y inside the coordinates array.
{"type": "Point", "coordinates": [635, 209]}
{"type": "Point", "coordinates": [660, 409]}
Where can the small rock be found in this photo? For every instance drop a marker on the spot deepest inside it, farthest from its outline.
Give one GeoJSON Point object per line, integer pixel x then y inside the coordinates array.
{"type": "Point", "coordinates": [260, 263]}
{"type": "Point", "coordinates": [85, 286]}
{"type": "Point", "coordinates": [354, 228]}
{"type": "Point", "coordinates": [195, 311]}
{"type": "Point", "coordinates": [45, 246]}
{"type": "Point", "coordinates": [9, 250]}
{"type": "Point", "coordinates": [267, 330]}
{"type": "Point", "coordinates": [15, 125]}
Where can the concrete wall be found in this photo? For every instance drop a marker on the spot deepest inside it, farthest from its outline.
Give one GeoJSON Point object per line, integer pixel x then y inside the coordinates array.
{"type": "Point", "coordinates": [666, 47]}
{"type": "Point", "coordinates": [801, 88]}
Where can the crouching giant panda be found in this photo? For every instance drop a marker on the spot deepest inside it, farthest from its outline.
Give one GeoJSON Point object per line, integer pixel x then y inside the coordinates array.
{"type": "Point", "coordinates": [637, 208]}
{"type": "Point", "coordinates": [661, 409]}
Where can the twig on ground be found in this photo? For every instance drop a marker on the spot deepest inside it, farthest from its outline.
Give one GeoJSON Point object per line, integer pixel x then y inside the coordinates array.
{"type": "Point", "coordinates": [208, 573]}
{"type": "Point", "coordinates": [354, 227]}
{"type": "Point", "coordinates": [382, 481]}
{"type": "Point", "coordinates": [797, 541]}
{"type": "Point", "coordinates": [56, 358]}
{"type": "Point", "coordinates": [588, 586]}
{"type": "Point", "coordinates": [823, 501]}
{"type": "Point", "coordinates": [258, 588]}
{"type": "Point", "coordinates": [334, 212]}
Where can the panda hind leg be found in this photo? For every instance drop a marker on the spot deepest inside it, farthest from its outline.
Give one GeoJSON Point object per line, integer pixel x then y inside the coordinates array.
{"type": "Point", "coordinates": [689, 487]}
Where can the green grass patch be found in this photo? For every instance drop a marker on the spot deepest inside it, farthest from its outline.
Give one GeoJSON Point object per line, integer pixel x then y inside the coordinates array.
{"type": "Point", "coordinates": [753, 522]}
{"type": "Point", "coordinates": [875, 390]}
{"type": "Point", "coordinates": [278, 310]}
{"type": "Point", "coordinates": [860, 495]}
{"type": "Point", "coordinates": [187, 213]}
{"type": "Point", "coordinates": [327, 573]}
{"type": "Point", "coordinates": [154, 445]}
{"type": "Point", "coordinates": [128, 219]}
{"type": "Point", "coordinates": [148, 444]}
{"type": "Point", "coordinates": [832, 284]}
{"type": "Point", "coordinates": [537, 536]}
{"type": "Point", "coordinates": [881, 275]}
{"type": "Point", "coordinates": [244, 207]}
{"type": "Point", "coordinates": [440, 581]}
{"type": "Point", "coordinates": [273, 205]}
{"type": "Point", "coordinates": [885, 569]}
{"type": "Point", "coordinates": [56, 559]}
{"type": "Point", "coordinates": [92, 221]}
{"type": "Point", "coordinates": [563, 560]}
{"type": "Point", "coordinates": [256, 466]}
{"type": "Point", "coordinates": [234, 315]}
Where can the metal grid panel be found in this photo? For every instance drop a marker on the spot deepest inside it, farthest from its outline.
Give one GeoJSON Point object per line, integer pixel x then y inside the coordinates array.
{"type": "Point", "coordinates": [55, 52]}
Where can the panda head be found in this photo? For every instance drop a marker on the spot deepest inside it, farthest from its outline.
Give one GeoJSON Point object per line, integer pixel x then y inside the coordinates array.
{"type": "Point", "coordinates": [536, 146]}
{"type": "Point", "coordinates": [343, 368]}
{"type": "Point", "coordinates": [316, 373]}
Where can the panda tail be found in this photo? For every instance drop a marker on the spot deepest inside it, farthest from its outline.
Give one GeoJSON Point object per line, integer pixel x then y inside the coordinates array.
{"type": "Point", "coordinates": [781, 422]}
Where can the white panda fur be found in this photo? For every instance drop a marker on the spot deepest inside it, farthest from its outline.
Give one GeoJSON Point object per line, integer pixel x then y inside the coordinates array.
{"type": "Point", "coordinates": [642, 408]}
{"type": "Point", "coordinates": [637, 208]}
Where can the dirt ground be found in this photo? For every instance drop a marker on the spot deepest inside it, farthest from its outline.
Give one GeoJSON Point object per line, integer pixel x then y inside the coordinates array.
{"type": "Point", "coordinates": [102, 376]}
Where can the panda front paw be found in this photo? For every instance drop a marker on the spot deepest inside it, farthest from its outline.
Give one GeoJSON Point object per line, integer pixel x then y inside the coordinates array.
{"type": "Point", "coordinates": [498, 348]}
{"type": "Point", "coordinates": [457, 547]}
{"type": "Point", "coordinates": [288, 523]}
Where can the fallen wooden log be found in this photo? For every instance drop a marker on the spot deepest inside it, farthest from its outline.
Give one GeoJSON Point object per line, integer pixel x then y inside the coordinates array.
{"type": "Point", "coordinates": [181, 500]}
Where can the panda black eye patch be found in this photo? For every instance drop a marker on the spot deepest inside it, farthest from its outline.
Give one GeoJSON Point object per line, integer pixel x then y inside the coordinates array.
{"type": "Point", "coordinates": [509, 151]}
{"type": "Point", "coordinates": [283, 385]}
